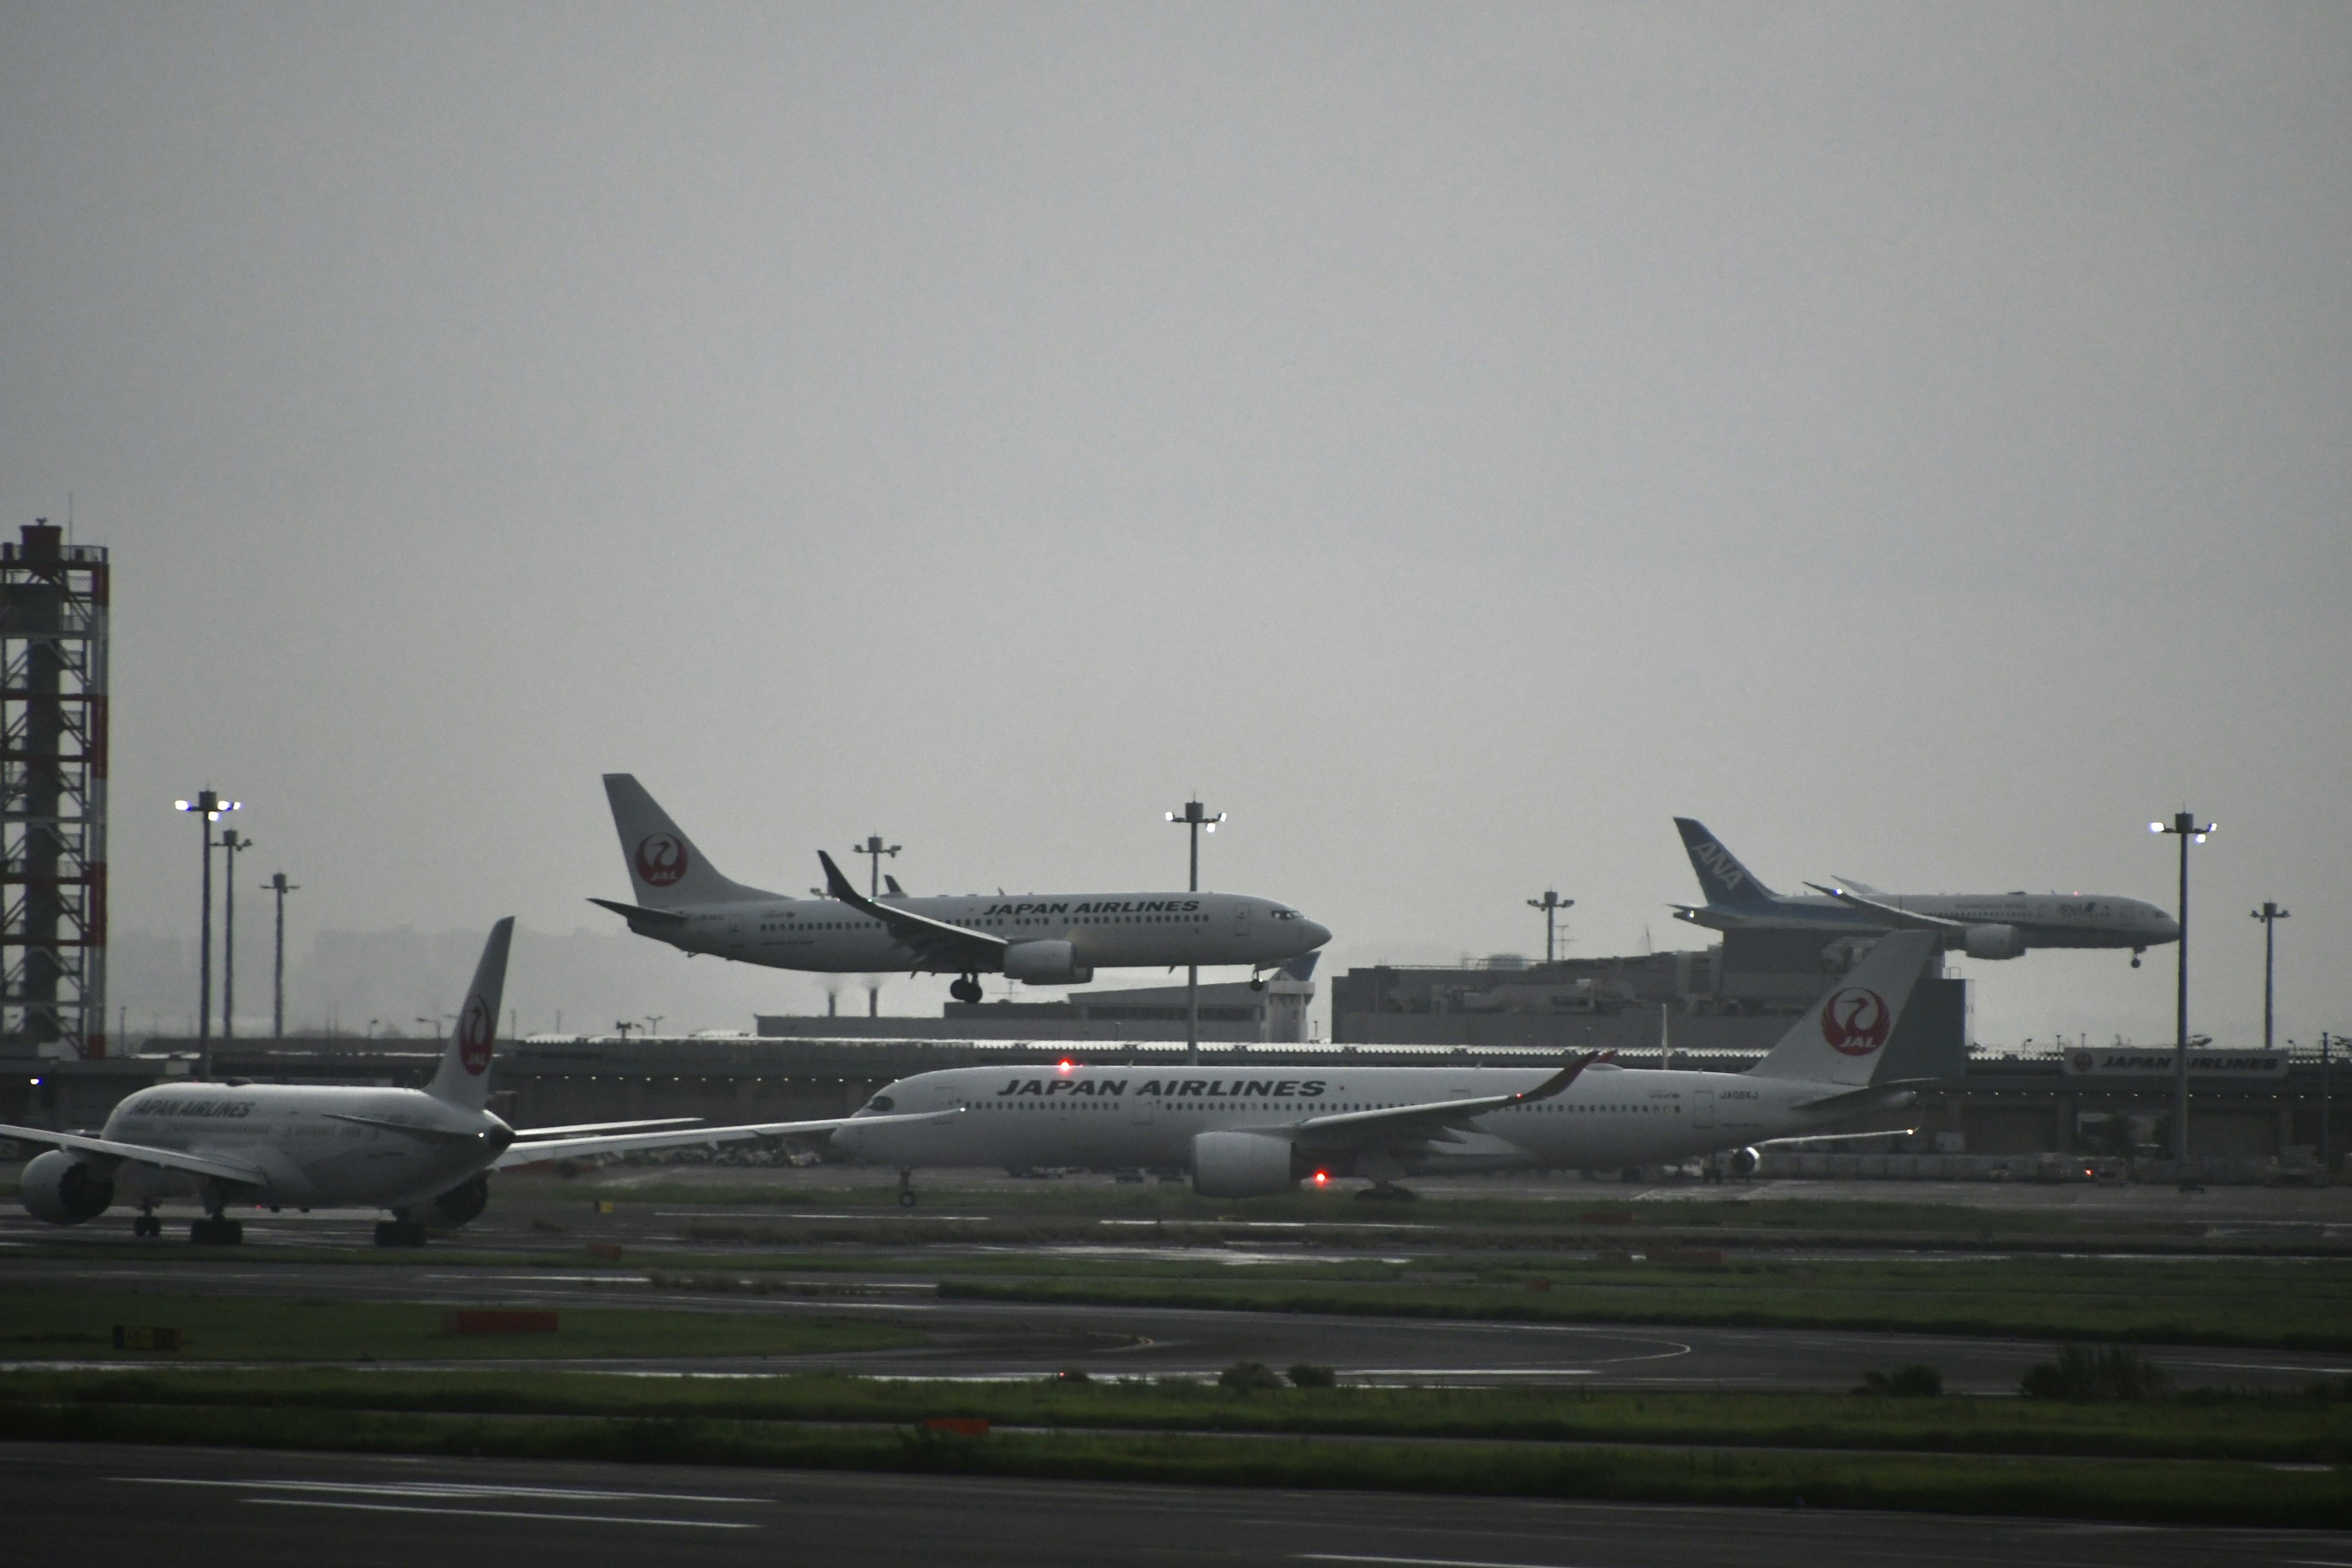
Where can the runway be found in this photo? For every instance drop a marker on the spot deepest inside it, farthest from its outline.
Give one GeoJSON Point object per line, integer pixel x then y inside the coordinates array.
{"type": "Point", "coordinates": [111, 1503]}
{"type": "Point", "coordinates": [1007, 1340]}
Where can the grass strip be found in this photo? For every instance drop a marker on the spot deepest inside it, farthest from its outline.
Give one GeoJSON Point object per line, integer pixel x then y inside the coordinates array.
{"type": "Point", "coordinates": [2198, 1492]}
{"type": "Point", "coordinates": [2270, 1428]}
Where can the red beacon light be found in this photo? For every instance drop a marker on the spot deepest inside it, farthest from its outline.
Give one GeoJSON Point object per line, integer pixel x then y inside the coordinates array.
{"type": "Point", "coordinates": [1322, 1178]}
{"type": "Point", "coordinates": [1064, 1067]}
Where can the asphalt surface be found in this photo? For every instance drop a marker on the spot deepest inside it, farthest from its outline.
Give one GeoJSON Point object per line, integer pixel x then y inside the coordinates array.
{"type": "Point", "coordinates": [109, 1503]}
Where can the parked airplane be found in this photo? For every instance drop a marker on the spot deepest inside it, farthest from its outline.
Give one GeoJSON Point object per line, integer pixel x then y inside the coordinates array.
{"type": "Point", "coordinates": [1253, 1129]}
{"type": "Point", "coordinates": [417, 1153]}
{"type": "Point", "coordinates": [1044, 938]}
{"type": "Point", "coordinates": [1982, 925]}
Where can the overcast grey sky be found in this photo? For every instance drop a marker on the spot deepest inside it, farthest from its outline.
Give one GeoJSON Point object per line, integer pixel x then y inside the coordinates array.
{"type": "Point", "coordinates": [1453, 438]}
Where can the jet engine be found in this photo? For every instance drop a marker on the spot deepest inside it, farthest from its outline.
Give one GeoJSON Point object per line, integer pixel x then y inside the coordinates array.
{"type": "Point", "coordinates": [1744, 1161]}
{"type": "Point", "coordinates": [1994, 942]}
{"type": "Point", "coordinates": [63, 1189]}
{"type": "Point", "coordinates": [464, 1203]}
{"type": "Point", "coordinates": [1046, 963]}
{"type": "Point", "coordinates": [1244, 1166]}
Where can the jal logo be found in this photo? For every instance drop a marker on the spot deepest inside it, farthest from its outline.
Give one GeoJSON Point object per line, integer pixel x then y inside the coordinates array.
{"type": "Point", "coordinates": [661, 859]}
{"type": "Point", "coordinates": [1855, 1021]}
{"type": "Point", "coordinates": [474, 1028]}
{"type": "Point", "coordinates": [1711, 855]}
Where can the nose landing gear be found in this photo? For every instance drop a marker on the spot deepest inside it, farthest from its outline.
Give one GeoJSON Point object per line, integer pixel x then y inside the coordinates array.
{"type": "Point", "coordinates": [2136, 952]}
{"type": "Point", "coordinates": [906, 1198]}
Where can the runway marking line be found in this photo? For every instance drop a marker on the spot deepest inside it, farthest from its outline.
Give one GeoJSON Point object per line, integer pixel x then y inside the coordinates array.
{"type": "Point", "coordinates": [1412, 1561]}
{"type": "Point", "coordinates": [441, 1488]}
{"type": "Point", "coordinates": [497, 1513]}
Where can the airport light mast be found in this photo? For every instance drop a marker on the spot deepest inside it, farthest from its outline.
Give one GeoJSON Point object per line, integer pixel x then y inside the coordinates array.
{"type": "Point", "coordinates": [2270, 914]}
{"type": "Point", "coordinates": [1551, 903]}
{"type": "Point", "coordinates": [208, 808]}
{"type": "Point", "coordinates": [230, 842]}
{"type": "Point", "coordinates": [1196, 818]}
{"type": "Point", "coordinates": [278, 885]}
{"type": "Point", "coordinates": [874, 848]}
{"type": "Point", "coordinates": [2185, 826]}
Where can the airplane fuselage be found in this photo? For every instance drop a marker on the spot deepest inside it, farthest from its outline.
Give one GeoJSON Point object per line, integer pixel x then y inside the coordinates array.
{"type": "Point", "coordinates": [2040, 920]}
{"type": "Point", "coordinates": [1113, 1117]}
{"type": "Point", "coordinates": [1105, 930]}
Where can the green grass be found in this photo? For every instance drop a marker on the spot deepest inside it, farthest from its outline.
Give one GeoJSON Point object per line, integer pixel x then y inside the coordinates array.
{"type": "Point", "coordinates": [2280, 1429]}
{"type": "Point", "coordinates": [2295, 1305]}
{"type": "Point", "coordinates": [2198, 1491]}
{"type": "Point", "coordinates": [65, 1324]}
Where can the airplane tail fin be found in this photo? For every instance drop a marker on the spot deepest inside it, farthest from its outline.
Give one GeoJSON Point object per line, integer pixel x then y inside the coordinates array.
{"type": "Point", "coordinates": [1721, 877]}
{"type": "Point", "coordinates": [463, 1079]}
{"type": "Point", "coordinates": [1843, 1036]}
{"type": "Point", "coordinates": [665, 869]}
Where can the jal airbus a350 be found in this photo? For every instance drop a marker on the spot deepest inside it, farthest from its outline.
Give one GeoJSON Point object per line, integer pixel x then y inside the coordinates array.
{"type": "Point", "coordinates": [1044, 938]}
{"type": "Point", "coordinates": [1254, 1128]}
{"type": "Point", "coordinates": [426, 1154]}
{"type": "Point", "coordinates": [1982, 925]}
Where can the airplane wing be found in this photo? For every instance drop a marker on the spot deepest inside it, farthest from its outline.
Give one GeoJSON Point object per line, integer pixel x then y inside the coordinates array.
{"type": "Point", "coordinates": [637, 914]}
{"type": "Point", "coordinates": [580, 1128]}
{"type": "Point", "coordinates": [139, 1153]}
{"type": "Point", "coordinates": [942, 943]}
{"type": "Point", "coordinates": [1889, 1096]}
{"type": "Point", "coordinates": [1434, 1119]}
{"type": "Point", "coordinates": [430, 1134]}
{"type": "Point", "coordinates": [1864, 888]}
{"type": "Point", "coordinates": [689, 1137]}
{"type": "Point", "coordinates": [1834, 1137]}
{"type": "Point", "coordinates": [1899, 917]}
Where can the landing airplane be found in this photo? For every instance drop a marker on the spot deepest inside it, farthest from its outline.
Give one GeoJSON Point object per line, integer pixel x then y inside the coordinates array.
{"type": "Point", "coordinates": [1258, 1129]}
{"type": "Point", "coordinates": [417, 1153]}
{"type": "Point", "coordinates": [1044, 938]}
{"type": "Point", "coordinates": [1982, 925]}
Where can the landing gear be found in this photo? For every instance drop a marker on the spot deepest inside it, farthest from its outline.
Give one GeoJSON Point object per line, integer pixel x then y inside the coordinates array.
{"type": "Point", "coordinates": [966, 988]}
{"type": "Point", "coordinates": [1386, 1193]}
{"type": "Point", "coordinates": [1257, 982]}
{"type": "Point", "coordinates": [399, 1232]}
{"type": "Point", "coordinates": [214, 1230]}
{"type": "Point", "coordinates": [145, 1223]}
{"type": "Point", "coordinates": [2136, 952]}
{"type": "Point", "coordinates": [906, 1198]}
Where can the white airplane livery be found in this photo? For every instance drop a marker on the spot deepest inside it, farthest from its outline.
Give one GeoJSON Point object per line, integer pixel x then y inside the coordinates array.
{"type": "Point", "coordinates": [424, 1154]}
{"type": "Point", "coordinates": [1982, 925]}
{"type": "Point", "coordinates": [1254, 1129]}
{"type": "Point", "coordinates": [1043, 939]}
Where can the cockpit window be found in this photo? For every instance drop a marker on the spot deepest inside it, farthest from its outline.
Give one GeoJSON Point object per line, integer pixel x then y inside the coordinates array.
{"type": "Point", "coordinates": [880, 1102]}
{"type": "Point", "coordinates": [1288, 915]}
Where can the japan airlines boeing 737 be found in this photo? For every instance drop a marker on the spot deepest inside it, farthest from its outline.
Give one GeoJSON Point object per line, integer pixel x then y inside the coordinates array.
{"type": "Point", "coordinates": [1982, 925]}
{"type": "Point", "coordinates": [1044, 938]}
{"type": "Point", "coordinates": [418, 1152]}
{"type": "Point", "coordinates": [1255, 1129]}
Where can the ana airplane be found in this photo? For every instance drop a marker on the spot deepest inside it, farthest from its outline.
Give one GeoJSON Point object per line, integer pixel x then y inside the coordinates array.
{"type": "Point", "coordinates": [424, 1154]}
{"type": "Point", "coordinates": [1982, 925]}
{"type": "Point", "coordinates": [1044, 938]}
{"type": "Point", "coordinates": [1257, 1129]}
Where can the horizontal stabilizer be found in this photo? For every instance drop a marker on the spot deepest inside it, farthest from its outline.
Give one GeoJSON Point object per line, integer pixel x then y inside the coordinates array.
{"type": "Point", "coordinates": [637, 914]}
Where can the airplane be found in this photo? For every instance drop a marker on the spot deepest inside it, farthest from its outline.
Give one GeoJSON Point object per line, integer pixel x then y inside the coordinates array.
{"type": "Point", "coordinates": [1043, 939]}
{"type": "Point", "coordinates": [1982, 925]}
{"type": "Point", "coordinates": [426, 1154]}
{"type": "Point", "coordinates": [1257, 1129]}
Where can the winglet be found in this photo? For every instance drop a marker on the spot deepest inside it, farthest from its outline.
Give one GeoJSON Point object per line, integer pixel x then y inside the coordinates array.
{"type": "Point", "coordinates": [840, 886]}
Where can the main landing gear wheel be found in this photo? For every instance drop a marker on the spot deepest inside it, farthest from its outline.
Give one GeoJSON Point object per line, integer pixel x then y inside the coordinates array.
{"type": "Point", "coordinates": [1257, 982]}
{"type": "Point", "coordinates": [965, 989]}
{"type": "Point", "coordinates": [215, 1231]}
{"type": "Point", "coordinates": [399, 1232]}
{"type": "Point", "coordinates": [145, 1223]}
{"type": "Point", "coordinates": [907, 1199]}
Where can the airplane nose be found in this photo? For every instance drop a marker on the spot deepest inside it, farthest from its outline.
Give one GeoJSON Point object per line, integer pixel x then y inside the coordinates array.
{"type": "Point", "coordinates": [1317, 935]}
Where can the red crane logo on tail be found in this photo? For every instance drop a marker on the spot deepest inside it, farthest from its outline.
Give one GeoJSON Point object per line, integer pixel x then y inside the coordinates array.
{"type": "Point", "coordinates": [1855, 1021]}
{"type": "Point", "coordinates": [474, 1028]}
{"type": "Point", "coordinates": [661, 859]}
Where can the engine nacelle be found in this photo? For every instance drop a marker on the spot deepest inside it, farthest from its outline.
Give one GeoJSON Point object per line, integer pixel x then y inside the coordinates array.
{"type": "Point", "coordinates": [1744, 1161]}
{"type": "Point", "coordinates": [63, 1189]}
{"type": "Point", "coordinates": [1046, 963]}
{"type": "Point", "coordinates": [1244, 1166]}
{"type": "Point", "coordinates": [1995, 942]}
{"type": "Point", "coordinates": [464, 1202]}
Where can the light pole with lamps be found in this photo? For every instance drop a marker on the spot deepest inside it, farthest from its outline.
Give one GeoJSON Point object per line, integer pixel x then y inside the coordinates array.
{"type": "Point", "coordinates": [874, 848]}
{"type": "Point", "coordinates": [1196, 818]}
{"type": "Point", "coordinates": [207, 807]}
{"type": "Point", "coordinates": [2270, 914]}
{"type": "Point", "coordinates": [231, 843]}
{"type": "Point", "coordinates": [1551, 903]}
{"type": "Point", "coordinates": [2184, 825]}
{"type": "Point", "coordinates": [278, 885]}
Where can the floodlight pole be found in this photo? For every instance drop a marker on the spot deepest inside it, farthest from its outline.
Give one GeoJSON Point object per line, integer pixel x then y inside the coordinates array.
{"type": "Point", "coordinates": [1194, 818]}
{"type": "Point", "coordinates": [2188, 829]}
{"type": "Point", "coordinates": [278, 885]}
{"type": "Point", "coordinates": [874, 848]}
{"type": "Point", "coordinates": [2270, 914]}
{"type": "Point", "coordinates": [208, 808]}
{"type": "Point", "coordinates": [230, 843]}
{"type": "Point", "coordinates": [2326, 1178]}
{"type": "Point", "coordinates": [1551, 903]}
